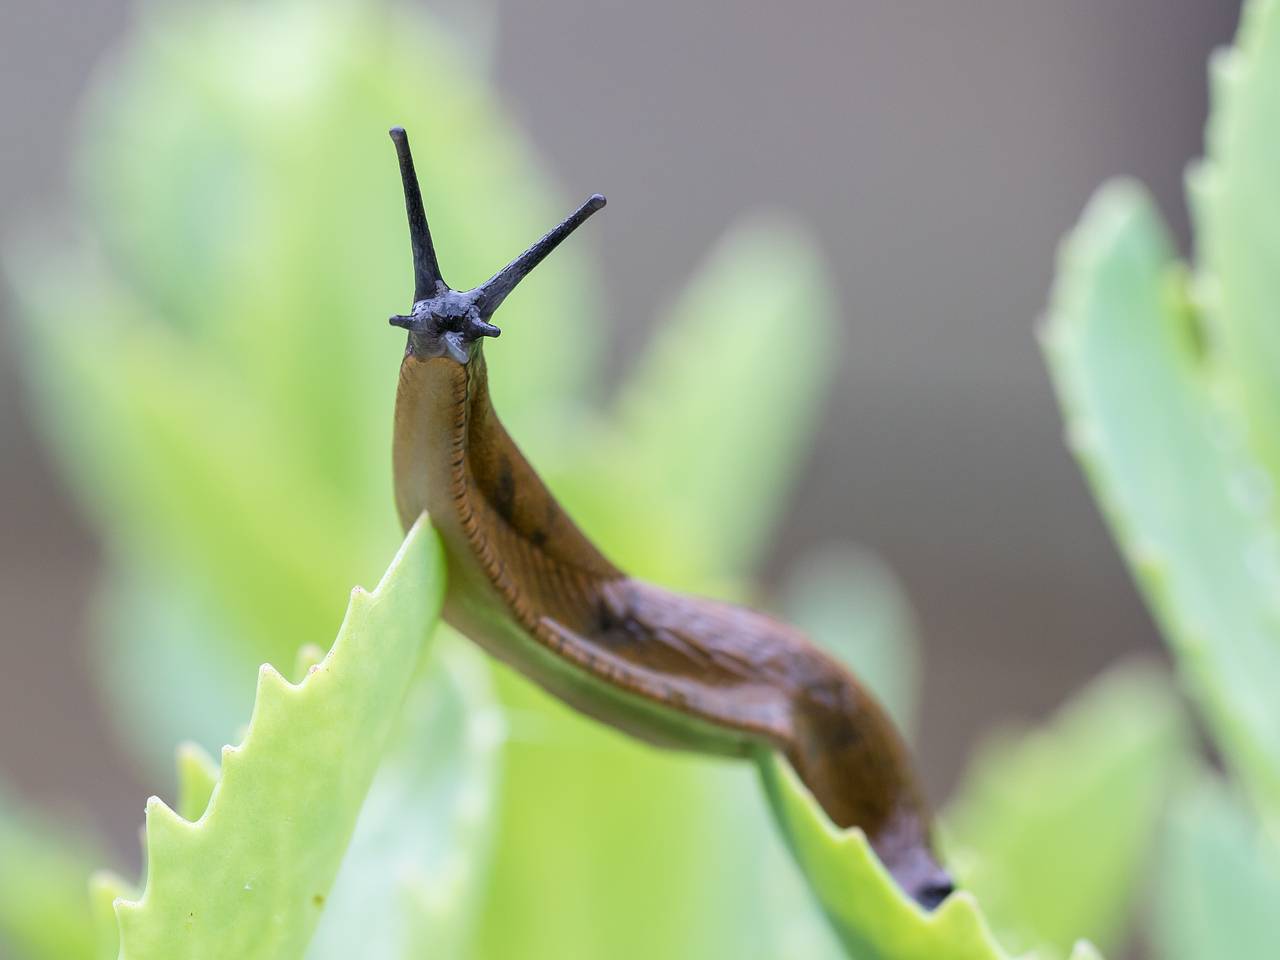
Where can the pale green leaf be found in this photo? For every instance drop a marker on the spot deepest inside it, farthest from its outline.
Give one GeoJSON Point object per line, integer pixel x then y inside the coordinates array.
{"type": "Point", "coordinates": [250, 877]}
{"type": "Point", "coordinates": [1190, 509]}
{"type": "Point", "coordinates": [415, 868]}
{"type": "Point", "coordinates": [1236, 196]}
{"type": "Point", "coordinates": [197, 776]}
{"type": "Point", "coordinates": [308, 656]}
{"type": "Point", "coordinates": [1218, 882]}
{"type": "Point", "coordinates": [871, 915]}
{"type": "Point", "coordinates": [1052, 829]}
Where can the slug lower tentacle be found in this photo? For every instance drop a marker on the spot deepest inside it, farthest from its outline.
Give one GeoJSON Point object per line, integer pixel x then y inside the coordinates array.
{"type": "Point", "coordinates": [529, 587]}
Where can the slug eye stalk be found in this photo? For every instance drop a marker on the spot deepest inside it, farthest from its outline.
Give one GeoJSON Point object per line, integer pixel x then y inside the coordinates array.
{"type": "Point", "coordinates": [444, 321]}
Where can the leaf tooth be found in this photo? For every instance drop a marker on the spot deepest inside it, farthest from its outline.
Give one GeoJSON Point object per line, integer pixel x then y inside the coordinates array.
{"type": "Point", "coordinates": [1084, 950]}
{"type": "Point", "coordinates": [107, 890]}
{"type": "Point", "coordinates": [1084, 438]}
{"type": "Point", "coordinates": [108, 886]}
{"type": "Point", "coordinates": [271, 697]}
{"type": "Point", "coordinates": [269, 676]}
{"type": "Point", "coordinates": [164, 827]}
{"type": "Point", "coordinates": [128, 914]}
{"type": "Point", "coordinates": [197, 776]}
{"type": "Point", "coordinates": [1200, 181]}
{"type": "Point", "coordinates": [167, 838]}
{"type": "Point", "coordinates": [309, 657]}
{"type": "Point", "coordinates": [273, 693]}
{"type": "Point", "coordinates": [1057, 338]}
{"type": "Point", "coordinates": [1227, 70]}
{"type": "Point", "coordinates": [960, 912]}
{"type": "Point", "coordinates": [1147, 559]}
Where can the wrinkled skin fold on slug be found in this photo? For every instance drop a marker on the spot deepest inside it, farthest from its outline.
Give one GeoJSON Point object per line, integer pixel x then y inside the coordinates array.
{"type": "Point", "coordinates": [528, 586]}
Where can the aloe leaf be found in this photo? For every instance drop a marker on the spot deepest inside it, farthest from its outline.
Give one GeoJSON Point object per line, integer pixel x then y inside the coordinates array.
{"type": "Point", "coordinates": [869, 913]}
{"type": "Point", "coordinates": [249, 878]}
{"type": "Point", "coordinates": [1186, 502]}
{"type": "Point", "coordinates": [720, 411]}
{"type": "Point", "coordinates": [415, 869]}
{"type": "Point", "coordinates": [197, 776]}
{"type": "Point", "coordinates": [1219, 879]}
{"type": "Point", "coordinates": [1236, 200]}
{"type": "Point", "coordinates": [1052, 833]}
{"type": "Point", "coordinates": [1052, 829]}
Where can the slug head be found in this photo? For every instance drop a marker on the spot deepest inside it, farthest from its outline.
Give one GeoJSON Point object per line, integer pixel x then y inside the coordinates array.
{"type": "Point", "coordinates": [448, 322]}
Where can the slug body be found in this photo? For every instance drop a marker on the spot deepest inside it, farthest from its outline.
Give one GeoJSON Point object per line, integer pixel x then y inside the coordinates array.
{"type": "Point", "coordinates": [527, 585]}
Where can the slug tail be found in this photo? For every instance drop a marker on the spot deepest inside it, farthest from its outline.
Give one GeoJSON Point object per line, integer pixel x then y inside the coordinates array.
{"type": "Point", "coordinates": [849, 755]}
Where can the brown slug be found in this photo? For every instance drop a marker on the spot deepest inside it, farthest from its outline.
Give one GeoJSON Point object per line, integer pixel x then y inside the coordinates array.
{"type": "Point", "coordinates": [527, 586]}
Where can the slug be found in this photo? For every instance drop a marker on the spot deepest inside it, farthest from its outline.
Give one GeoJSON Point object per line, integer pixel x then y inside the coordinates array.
{"type": "Point", "coordinates": [529, 587]}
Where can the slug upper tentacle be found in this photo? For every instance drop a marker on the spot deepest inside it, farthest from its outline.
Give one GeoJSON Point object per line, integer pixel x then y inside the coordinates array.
{"type": "Point", "coordinates": [527, 585]}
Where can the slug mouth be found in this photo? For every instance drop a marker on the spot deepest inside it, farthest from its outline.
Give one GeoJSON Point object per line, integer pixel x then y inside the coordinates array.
{"type": "Point", "coordinates": [447, 322]}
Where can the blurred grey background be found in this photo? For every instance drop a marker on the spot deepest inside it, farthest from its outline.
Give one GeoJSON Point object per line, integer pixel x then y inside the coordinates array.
{"type": "Point", "coordinates": [938, 150]}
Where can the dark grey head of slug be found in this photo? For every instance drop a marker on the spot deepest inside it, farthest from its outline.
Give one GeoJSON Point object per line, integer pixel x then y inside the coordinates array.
{"type": "Point", "coordinates": [444, 321]}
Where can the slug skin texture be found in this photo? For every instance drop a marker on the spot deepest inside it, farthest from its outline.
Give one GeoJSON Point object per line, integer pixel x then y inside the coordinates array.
{"type": "Point", "coordinates": [528, 586]}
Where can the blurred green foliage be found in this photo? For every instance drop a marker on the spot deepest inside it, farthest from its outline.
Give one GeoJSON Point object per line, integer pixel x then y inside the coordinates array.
{"type": "Point", "coordinates": [43, 869]}
{"type": "Point", "coordinates": [1036, 809]}
{"type": "Point", "coordinates": [208, 349]}
{"type": "Point", "coordinates": [1169, 380]}
{"type": "Point", "coordinates": [1219, 879]}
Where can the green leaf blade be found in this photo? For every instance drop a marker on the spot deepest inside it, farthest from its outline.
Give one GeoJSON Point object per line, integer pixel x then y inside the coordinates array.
{"type": "Point", "coordinates": [1219, 879]}
{"type": "Point", "coordinates": [250, 877]}
{"type": "Point", "coordinates": [416, 867]}
{"type": "Point", "coordinates": [1185, 500]}
{"type": "Point", "coordinates": [1237, 205]}
{"type": "Point", "coordinates": [871, 915]}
